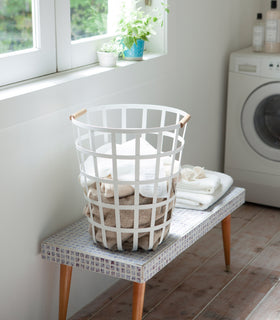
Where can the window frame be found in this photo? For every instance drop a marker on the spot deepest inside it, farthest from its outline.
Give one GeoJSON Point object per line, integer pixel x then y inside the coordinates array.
{"type": "Point", "coordinates": [39, 60]}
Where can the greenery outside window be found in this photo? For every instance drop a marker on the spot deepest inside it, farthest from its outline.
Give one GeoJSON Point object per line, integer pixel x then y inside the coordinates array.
{"type": "Point", "coordinates": [16, 30]}
{"type": "Point", "coordinates": [88, 18]}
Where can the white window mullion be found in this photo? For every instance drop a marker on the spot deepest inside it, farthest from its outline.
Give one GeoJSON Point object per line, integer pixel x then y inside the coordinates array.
{"type": "Point", "coordinates": [36, 24]}
{"type": "Point", "coordinates": [63, 34]}
{"type": "Point", "coordinates": [47, 30]}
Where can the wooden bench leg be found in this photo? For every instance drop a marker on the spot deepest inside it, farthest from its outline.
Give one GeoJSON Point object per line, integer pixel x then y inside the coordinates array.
{"type": "Point", "coordinates": [64, 290]}
{"type": "Point", "coordinates": [138, 300]}
{"type": "Point", "coordinates": [226, 240]}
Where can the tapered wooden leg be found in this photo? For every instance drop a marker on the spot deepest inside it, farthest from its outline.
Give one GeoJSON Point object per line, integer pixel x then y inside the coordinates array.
{"type": "Point", "coordinates": [138, 300]}
{"type": "Point", "coordinates": [64, 290]}
{"type": "Point", "coordinates": [226, 240]}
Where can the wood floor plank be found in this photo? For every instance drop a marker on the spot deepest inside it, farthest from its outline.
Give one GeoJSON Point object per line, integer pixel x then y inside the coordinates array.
{"type": "Point", "coordinates": [243, 215]}
{"type": "Point", "coordinates": [266, 224]}
{"type": "Point", "coordinates": [87, 312]}
{"type": "Point", "coordinates": [239, 299]}
{"type": "Point", "coordinates": [188, 299]}
{"type": "Point", "coordinates": [269, 307]}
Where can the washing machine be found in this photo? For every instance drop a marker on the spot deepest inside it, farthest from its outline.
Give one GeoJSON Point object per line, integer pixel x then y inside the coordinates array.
{"type": "Point", "coordinates": [252, 146]}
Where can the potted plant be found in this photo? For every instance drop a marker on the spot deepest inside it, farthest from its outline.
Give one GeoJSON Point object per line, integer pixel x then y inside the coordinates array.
{"type": "Point", "coordinates": [135, 27]}
{"type": "Point", "coordinates": [109, 53]}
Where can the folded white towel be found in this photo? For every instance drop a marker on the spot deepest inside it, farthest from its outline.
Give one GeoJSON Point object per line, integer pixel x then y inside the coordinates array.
{"type": "Point", "coordinates": [198, 181]}
{"type": "Point", "coordinates": [198, 201]}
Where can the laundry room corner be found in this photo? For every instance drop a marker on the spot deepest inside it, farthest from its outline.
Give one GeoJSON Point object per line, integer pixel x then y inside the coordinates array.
{"type": "Point", "coordinates": [39, 168]}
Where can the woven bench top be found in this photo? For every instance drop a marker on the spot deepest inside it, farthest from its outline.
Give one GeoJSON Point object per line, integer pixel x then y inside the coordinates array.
{"type": "Point", "coordinates": [73, 245]}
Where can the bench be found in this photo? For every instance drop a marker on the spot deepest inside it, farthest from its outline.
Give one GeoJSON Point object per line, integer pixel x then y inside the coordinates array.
{"type": "Point", "coordinates": [73, 247]}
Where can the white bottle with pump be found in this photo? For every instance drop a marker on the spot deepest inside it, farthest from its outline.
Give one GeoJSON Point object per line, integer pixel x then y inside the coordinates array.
{"type": "Point", "coordinates": [271, 44]}
{"type": "Point", "coordinates": [258, 34]}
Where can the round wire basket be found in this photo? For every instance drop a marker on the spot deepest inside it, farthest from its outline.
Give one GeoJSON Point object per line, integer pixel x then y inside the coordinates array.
{"type": "Point", "coordinates": [129, 157]}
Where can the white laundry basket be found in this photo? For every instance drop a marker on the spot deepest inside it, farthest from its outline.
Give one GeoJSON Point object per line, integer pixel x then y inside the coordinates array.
{"type": "Point", "coordinates": [129, 158]}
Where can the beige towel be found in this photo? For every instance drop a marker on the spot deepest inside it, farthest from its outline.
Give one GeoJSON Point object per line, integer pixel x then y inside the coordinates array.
{"type": "Point", "coordinates": [127, 219]}
{"type": "Point", "coordinates": [124, 190]}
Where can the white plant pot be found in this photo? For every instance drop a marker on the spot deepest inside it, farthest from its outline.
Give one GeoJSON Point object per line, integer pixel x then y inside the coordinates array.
{"type": "Point", "coordinates": [107, 59]}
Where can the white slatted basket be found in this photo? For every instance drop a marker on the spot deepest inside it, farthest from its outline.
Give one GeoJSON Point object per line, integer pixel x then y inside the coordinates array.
{"type": "Point", "coordinates": [134, 151]}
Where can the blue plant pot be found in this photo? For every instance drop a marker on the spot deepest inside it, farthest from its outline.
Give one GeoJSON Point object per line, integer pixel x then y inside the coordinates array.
{"type": "Point", "coordinates": [135, 52]}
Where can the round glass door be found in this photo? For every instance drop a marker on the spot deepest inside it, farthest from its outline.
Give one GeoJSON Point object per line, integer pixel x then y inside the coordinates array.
{"type": "Point", "coordinates": [267, 121]}
{"type": "Point", "coordinates": [260, 120]}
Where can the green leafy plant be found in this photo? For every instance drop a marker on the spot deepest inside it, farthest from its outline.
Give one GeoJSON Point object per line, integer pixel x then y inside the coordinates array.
{"type": "Point", "coordinates": [137, 24]}
{"type": "Point", "coordinates": [113, 46]}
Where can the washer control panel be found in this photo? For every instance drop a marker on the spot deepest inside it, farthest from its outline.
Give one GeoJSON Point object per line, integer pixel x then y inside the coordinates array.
{"type": "Point", "coordinates": [255, 64]}
{"type": "Point", "coordinates": [271, 66]}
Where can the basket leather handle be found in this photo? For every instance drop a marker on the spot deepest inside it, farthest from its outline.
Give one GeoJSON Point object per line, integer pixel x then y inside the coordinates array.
{"type": "Point", "coordinates": [185, 120]}
{"type": "Point", "coordinates": [78, 114]}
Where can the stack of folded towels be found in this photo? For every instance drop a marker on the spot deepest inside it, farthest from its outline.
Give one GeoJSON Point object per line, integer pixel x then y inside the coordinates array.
{"type": "Point", "coordinates": [199, 189]}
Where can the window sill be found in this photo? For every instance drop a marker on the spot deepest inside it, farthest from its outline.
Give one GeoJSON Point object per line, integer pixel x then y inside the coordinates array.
{"type": "Point", "coordinates": [41, 83]}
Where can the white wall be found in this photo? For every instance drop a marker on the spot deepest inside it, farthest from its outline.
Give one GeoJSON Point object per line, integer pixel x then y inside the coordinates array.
{"type": "Point", "coordinates": [39, 189]}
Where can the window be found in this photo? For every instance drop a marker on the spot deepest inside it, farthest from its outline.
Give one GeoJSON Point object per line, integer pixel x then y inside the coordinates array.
{"type": "Point", "coordinates": [27, 41]}
{"type": "Point", "coordinates": [39, 37]}
{"type": "Point", "coordinates": [79, 34]}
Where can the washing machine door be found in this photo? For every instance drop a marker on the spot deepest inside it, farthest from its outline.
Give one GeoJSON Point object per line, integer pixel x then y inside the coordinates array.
{"type": "Point", "coordinates": [260, 120]}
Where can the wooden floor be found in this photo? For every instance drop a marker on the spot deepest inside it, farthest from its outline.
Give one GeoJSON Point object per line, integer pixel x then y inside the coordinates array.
{"type": "Point", "coordinates": [196, 286]}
